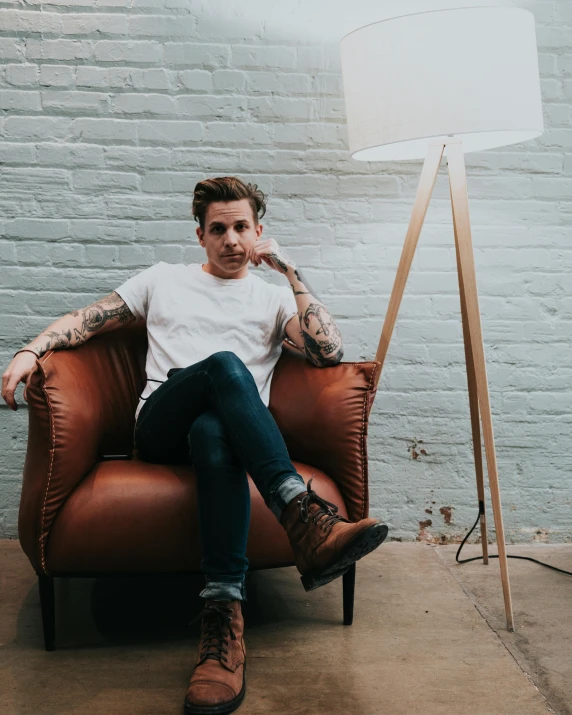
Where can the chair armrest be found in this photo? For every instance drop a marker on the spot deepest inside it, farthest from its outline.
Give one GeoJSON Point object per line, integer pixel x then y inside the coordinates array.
{"type": "Point", "coordinates": [323, 415]}
{"type": "Point", "coordinates": [81, 404]}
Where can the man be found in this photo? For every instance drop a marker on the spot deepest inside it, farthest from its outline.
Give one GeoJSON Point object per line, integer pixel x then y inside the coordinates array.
{"type": "Point", "coordinates": [215, 333]}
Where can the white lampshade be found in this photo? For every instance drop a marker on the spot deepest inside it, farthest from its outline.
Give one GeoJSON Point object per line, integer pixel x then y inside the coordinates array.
{"type": "Point", "coordinates": [469, 73]}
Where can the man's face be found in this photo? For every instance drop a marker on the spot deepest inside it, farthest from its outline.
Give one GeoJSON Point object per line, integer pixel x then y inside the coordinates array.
{"type": "Point", "coordinates": [229, 229]}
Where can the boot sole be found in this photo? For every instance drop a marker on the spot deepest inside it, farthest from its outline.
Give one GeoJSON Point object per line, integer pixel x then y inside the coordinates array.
{"type": "Point", "coordinates": [362, 545]}
{"type": "Point", "coordinates": [222, 707]}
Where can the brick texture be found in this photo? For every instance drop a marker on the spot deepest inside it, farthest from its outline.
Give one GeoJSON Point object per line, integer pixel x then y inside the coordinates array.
{"type": "Point", "coordinates": [110, 112]}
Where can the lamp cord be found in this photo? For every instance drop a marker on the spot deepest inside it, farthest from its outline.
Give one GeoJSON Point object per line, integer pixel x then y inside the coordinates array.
{"type": "Point", "coordinates": [149, 379]}
{"type": "Point", "coordinates": [495, 556]}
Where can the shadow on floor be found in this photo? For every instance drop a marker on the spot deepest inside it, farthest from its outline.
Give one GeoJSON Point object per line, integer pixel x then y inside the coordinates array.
{"type": "Point", "coordinates": [417, 644]}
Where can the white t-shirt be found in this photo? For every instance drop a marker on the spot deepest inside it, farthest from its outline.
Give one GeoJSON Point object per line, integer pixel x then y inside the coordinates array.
{"type": "Point", "coordinates": [192, 314]}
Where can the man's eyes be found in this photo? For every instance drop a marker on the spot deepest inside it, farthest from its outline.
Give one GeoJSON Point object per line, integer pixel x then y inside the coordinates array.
{"type": "Point", "coordinates": [241, 225]}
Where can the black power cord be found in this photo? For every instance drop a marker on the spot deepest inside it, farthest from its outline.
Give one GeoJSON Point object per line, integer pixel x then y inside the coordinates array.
{"type": "Point", "coordinates": [172, 371]}
{"type": "Point", "coordinates": [495, 556]}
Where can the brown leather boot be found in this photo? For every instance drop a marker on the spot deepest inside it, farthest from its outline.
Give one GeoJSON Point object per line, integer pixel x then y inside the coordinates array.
{"type": "Point", "coordinates": [324, 543]}
{"type": "Point", "coordinates": [218, 682]}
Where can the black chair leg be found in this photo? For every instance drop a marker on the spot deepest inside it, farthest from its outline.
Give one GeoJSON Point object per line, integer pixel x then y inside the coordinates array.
{"type": "Point", "coordinates": [349, 582]}
{"type": "Point", "coordinates": [47, 604]}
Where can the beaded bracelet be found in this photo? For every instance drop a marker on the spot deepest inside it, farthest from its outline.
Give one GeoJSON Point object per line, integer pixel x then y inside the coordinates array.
{"type": "Point", "coordinates": [26, 350]}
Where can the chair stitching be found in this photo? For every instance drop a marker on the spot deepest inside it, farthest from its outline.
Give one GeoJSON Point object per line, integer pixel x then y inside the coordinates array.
{"type": "Point", "coordinates": [362, 442]}
{"type": "Point", "coordinates": [53, 450]}
{"type": "Point", "coordinates": [376, 365]}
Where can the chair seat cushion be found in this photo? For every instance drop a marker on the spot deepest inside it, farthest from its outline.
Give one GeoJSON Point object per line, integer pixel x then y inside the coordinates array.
{"type": "Point", "coordinates": [132, 516]}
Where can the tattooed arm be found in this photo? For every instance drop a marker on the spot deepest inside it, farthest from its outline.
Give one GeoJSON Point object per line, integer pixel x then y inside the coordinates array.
{"type": "Point", "coordinates": [66, 332]}
{"type": "Point", "coordinates": [78, 326]}
{"type": "Point", "coordinates": [321, 337]}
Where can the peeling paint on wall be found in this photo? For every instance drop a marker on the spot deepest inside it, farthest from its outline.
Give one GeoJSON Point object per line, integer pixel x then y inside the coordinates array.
{"type": "Point", "coordinates": [423, 534]}
{"type": "Point", "coordinates": [541, 536]}
{"type": "Point", "coordinates": [412, 448]}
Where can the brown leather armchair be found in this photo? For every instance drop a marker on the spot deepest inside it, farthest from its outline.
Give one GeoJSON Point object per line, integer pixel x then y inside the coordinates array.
{"type": "Point", "coordinates": [85, 511]}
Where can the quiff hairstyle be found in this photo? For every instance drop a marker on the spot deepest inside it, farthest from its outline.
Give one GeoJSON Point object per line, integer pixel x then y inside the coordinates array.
{"type": "Point", "coordinates": [226, 188]}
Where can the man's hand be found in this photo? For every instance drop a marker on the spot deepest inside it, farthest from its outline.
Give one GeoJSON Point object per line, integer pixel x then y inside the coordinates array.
{"type": "Point", "coordinates": [270, 252]}
{"type": "Point", "coordinates": [19, 370]}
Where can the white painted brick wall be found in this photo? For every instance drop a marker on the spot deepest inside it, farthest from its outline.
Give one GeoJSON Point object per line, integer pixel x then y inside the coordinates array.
{"type": "Point", "coordinates": [110, 112]}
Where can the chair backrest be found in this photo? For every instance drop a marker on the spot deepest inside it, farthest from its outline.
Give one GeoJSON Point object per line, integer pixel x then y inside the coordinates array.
{"type": "Point", "coordinates": [322, 413]}
{"type": "Point", "coordinates": [119, 357]}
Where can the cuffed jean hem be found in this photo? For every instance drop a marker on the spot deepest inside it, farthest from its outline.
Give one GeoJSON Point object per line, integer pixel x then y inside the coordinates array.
{"type": "Point", "coordinates": [224, 590]}
{"type": "Point", "coordinates": [284, 493]}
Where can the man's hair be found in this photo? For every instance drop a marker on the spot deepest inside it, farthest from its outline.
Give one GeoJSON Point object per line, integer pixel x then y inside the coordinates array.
{"type": "Point", "coordinates": [226, 188]}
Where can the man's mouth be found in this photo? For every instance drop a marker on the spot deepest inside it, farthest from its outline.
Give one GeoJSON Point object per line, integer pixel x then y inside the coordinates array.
{"type": "Point", "coordinates": [231, 255]}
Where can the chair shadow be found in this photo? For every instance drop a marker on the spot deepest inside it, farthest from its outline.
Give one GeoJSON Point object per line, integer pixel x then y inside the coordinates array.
{"type": "Point", "coordinates": [157, 608]}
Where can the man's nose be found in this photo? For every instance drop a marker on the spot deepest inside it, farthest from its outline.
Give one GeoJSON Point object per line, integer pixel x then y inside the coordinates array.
{"type": "Point", "coordinates": [231, 238]}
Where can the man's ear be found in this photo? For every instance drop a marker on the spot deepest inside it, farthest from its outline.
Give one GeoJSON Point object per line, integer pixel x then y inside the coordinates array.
{"type": "Point", "coordinates": [200, 234]}
{"type": "Point", "coordinates": [259, 229]}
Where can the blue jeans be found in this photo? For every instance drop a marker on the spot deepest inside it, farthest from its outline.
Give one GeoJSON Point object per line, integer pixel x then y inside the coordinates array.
{"type": "Point", "coordinates": [210, 415]}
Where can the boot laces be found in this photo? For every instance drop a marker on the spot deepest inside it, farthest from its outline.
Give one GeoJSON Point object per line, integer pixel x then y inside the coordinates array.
{"type": "Point", "coordinates": [216, 620]}
{"type": "Point", "coordinates": [325, 516]}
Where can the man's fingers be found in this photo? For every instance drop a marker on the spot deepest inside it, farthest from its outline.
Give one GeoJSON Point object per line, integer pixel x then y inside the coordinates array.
{"type": "Point", "coordinates": [9, 384]}
{"type": "Point", "coordinates": [254, 256]}
{"type": "Point", "coordinates": [8, 396]}
{"type": "Point", "coordinates": [12, 385]}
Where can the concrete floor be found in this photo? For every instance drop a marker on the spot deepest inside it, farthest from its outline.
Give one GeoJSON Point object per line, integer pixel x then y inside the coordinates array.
{"type": "Point", "coordinates": [428, 637]}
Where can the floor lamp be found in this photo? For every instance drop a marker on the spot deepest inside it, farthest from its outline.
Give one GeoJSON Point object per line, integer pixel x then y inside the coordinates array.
{"type": "Point", "coordinates": [446, 82]}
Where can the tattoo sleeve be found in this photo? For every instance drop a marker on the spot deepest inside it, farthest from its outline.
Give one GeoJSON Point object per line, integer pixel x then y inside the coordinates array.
{"type": "Point", "coordinates": [302, 278]}
{"type": "Point", "coordinates": [78, 326]}
{"type": "Point", "coordinates": [322, 338]}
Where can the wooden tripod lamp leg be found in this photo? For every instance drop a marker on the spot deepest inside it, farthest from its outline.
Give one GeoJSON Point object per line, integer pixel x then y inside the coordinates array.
{"type": "Point", "coordinates": [424, 191]}
{"type": "Point", "coordinates": [473, 404]}
{"type": "Point", "coordinates": [460, 203]}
